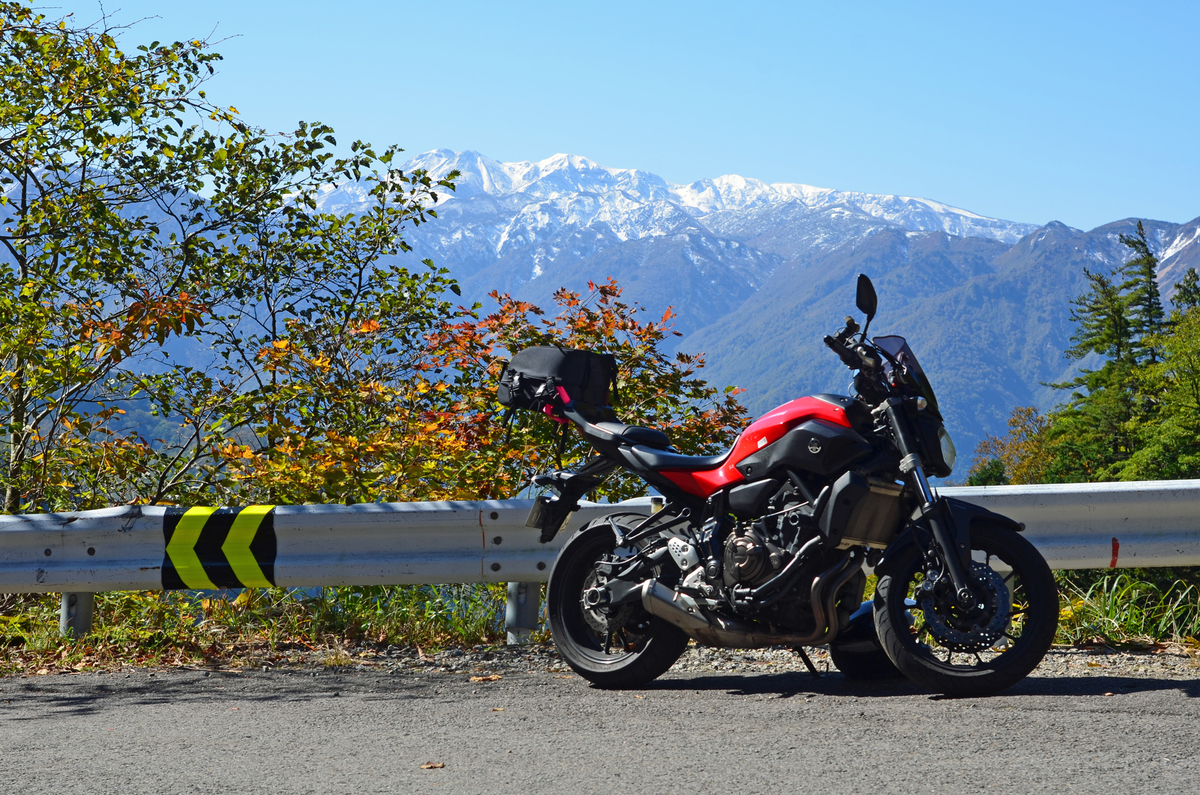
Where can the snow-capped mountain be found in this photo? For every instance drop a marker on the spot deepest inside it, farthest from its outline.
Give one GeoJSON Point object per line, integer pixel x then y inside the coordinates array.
{"type": "Point", "coordinates": [757, 272]}
{"type": "Point", "coordinates": [510, 226]}
{"type": "Point", "coordinates": [564, 175]}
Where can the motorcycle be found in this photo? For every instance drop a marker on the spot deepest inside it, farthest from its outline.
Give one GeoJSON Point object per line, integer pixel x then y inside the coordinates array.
{"type": "Point", "coordinates": [768, 544]}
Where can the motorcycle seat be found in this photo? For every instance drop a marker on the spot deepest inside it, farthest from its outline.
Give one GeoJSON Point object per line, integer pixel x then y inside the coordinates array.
{"type": "Point", "coordinates": [636, 434]}
{"type": "Point", "coordinates": [659, 459]}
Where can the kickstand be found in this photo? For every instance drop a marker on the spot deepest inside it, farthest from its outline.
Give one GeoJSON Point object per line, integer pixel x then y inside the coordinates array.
{"type": "Point", "coordinates": [812, 669]}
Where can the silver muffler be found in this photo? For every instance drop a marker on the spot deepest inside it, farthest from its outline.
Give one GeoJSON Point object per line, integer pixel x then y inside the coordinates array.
{"type": "Point", "coordinates": [713, 630]}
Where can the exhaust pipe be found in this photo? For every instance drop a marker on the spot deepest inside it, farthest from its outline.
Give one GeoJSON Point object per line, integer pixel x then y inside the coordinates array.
{"type": "Point", "coordinates": [713, 630]}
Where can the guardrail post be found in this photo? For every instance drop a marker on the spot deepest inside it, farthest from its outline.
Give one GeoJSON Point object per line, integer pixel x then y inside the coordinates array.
{"type": "Point", "coordinates": [75, 617]}
{"type": "Point", "coordinates": [523, 613]}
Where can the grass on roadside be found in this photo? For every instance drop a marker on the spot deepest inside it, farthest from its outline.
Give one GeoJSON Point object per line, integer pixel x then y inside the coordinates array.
{"type": "Point", "coordinates": [259, 626]}
{"type": "Point", "coordinates": [1130, 608]}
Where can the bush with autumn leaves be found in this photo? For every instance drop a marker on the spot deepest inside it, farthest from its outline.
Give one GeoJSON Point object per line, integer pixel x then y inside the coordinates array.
{"type": "Point", "coordinates": [347, 429]}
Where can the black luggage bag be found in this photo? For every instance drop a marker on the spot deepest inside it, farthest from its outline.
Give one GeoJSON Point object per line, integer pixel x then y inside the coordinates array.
{"type": "Point", "coordinates": [532, 377]}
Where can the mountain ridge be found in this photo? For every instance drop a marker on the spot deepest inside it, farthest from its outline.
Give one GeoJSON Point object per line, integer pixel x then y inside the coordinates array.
{"type": "Point", "coordinates": [758, 272]}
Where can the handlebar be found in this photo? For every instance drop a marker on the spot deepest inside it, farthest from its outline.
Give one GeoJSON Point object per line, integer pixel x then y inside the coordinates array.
{"type": "Point", "coordinates": [844, 353]}
{"type": "Point", "coordinates": [856, 357]}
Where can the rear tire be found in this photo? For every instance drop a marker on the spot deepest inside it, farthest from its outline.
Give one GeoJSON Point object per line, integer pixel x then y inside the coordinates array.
{"type": "Point", "coordinates": [618, 647]}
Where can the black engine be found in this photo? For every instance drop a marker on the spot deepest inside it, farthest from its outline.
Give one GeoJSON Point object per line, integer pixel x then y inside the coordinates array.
{"type": "Point", "coordinates": [754, 552]}
{"type": "Point", "coordinates": [750, 559]}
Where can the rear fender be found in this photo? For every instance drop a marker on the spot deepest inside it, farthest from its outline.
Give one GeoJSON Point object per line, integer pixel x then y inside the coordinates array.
{"type": "Point", "coordinates": [964, 515]}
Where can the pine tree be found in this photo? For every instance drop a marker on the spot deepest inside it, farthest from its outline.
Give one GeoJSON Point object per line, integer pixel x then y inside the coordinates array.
{"type": "Point", "coordinates": [1140, 293]}
{"type": "Point", "coordinates": [1104, 325]}
{"type": "Point", "coordinates": [1120, 318]}
{"type": "Point", "coordinates": [1187, 292]}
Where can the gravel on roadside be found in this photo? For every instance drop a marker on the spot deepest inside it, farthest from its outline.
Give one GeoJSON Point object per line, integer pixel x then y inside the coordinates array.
{"type": "Point", "coordinates": [1168, 662]}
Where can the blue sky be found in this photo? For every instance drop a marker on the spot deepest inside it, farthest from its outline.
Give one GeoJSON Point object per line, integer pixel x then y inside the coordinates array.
{"type": "Point", "coordinates": [1079, 112]}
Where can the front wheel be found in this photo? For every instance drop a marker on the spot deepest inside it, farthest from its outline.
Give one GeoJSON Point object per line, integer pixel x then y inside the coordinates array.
{"type": "Point", "coordinates": [976, 651]}
{"type": "Point", "coordinates": [612, 647]}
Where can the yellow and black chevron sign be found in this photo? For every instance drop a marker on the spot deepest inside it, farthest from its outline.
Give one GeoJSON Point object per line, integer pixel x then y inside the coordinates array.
{"type": "Point", "coordinates": [209, 548]}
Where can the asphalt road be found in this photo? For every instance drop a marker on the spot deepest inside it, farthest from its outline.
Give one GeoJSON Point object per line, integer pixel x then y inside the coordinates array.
{"type": "Point", "coordinates": [292, 732]}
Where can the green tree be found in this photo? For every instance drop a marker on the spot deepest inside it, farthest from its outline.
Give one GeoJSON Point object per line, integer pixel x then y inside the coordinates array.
{"type": "Point", "coordinates": [1100, 426]}
{"type": "Point", "coordinates": [1102, 321]}
{"type": "Point", "coordinates": [1187, 292]}
{"type": "Point", "coordinates": [1169, 447]}
{"type": "Point", "coordinates": [1095, 420]}
{"type": "Point", "coordinates": [134, 212]}
{"type": "Point", "coordinates": [1139, 292]}
{"type": "Point", "coordinates": [76, 114]}
{"type": "Point", "coordinates": [988, 472]}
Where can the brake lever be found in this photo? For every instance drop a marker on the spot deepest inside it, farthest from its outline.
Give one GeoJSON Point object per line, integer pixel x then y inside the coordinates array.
{"type": "Point", "coordinates": [848, 332]}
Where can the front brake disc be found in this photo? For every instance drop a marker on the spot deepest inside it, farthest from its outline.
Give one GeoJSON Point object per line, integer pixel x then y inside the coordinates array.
{"type": "Point", "coordinates": [969, 633]}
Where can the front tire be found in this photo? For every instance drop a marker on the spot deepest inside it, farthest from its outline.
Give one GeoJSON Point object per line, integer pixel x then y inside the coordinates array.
{"type": "Point", "coordinates": [618, 647]}
{"type": "Point", "coordinates": [941, 648]}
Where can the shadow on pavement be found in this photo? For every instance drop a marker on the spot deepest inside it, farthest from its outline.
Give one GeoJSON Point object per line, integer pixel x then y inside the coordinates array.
{"type": "Point", "coordinates": [787, 685]}
{"type": "Point", "coordinates": [84, 694]}
{"type": "Point", "coordinates": [1099, 686]}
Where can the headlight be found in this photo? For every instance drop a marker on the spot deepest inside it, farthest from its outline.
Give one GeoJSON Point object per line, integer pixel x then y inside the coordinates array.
{"type": "Point", "coordinates": [948, 454]}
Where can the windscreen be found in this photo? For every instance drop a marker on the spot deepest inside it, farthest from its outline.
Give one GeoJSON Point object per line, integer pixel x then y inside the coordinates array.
{"type": "Point", "coordinates": [897, 348]}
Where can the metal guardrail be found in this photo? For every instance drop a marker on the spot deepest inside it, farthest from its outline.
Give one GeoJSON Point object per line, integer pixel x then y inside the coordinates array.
{"type": "Point", "coordinates": [138, 548]}
{"type": "Point", "coordinates": [1094, 525]}
{"type": "Point", "coordinates": [1143, 524]}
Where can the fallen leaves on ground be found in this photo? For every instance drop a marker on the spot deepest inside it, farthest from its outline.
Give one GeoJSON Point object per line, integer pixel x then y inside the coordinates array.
{"type": "Point", "coordinates": [492, 678]}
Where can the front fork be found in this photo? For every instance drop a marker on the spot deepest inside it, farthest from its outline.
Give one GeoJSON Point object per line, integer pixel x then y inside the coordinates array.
{"type": "Point", "coordinates": [953, 542]}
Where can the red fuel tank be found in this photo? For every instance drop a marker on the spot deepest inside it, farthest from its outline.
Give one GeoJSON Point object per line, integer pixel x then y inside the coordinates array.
{"type": "Point", "coordinates": [767, 429]}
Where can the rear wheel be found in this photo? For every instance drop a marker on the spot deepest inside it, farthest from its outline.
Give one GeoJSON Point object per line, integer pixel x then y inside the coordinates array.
{"type": "Point", "coordinates": [976, 651]}
{"type": "Point", "coordinates": [612, 647]}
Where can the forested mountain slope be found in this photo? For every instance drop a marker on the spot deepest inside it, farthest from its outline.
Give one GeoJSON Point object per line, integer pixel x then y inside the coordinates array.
{"type": "Point", "coordinates": [757, 273]}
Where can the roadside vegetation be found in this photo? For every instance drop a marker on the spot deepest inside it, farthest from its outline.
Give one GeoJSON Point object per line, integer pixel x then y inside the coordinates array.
{"type": "Point", "coordinates": [253, 628]}
{"type": "Point", "coordinates": [1132, 414]}
{"type": "Point", "coordinates": [184, 323]}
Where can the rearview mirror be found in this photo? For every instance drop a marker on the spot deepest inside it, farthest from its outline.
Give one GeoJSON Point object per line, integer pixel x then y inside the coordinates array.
{"type": "Point", "coordinates": [866, 300]}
